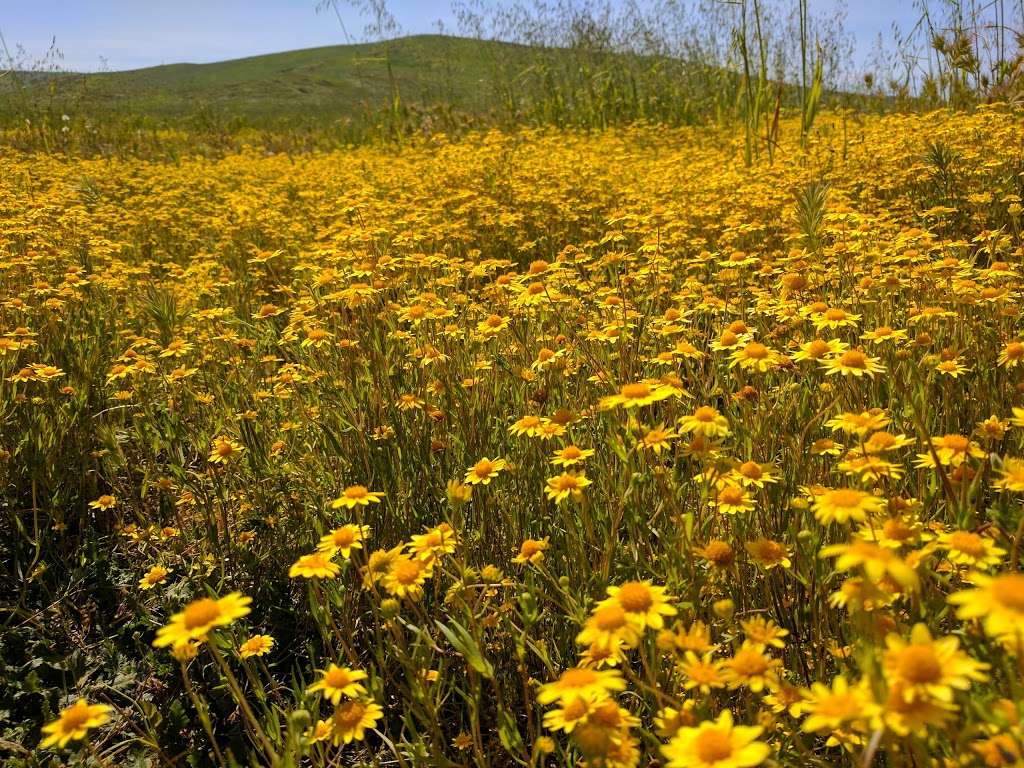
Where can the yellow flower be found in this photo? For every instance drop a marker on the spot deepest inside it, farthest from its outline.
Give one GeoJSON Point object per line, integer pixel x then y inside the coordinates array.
{"type": "Point", "coordinates": [532, 551]}
{"type": "Point", "coordinates": [764, 632]}
{"type": "Point", "coordinates": [528, 426]}
{"type": "Point", "coordinates": [884, 442]}
{"type": "Point", "coordinates": [833, 318]}
{"type": "Point", "coordinates": [878, 562]}
{"type": "Point", "coordinates": [755, 357]}
{"type": "Point", "coordinates": [609, 627]}
{"type": "Point", "coordinates": [750, 473]}
{"type": "Point", "coordinates": [200, 617]}
{"type": "Point", "coordinates": [405, 576]}
{"type": "Point", "coordinates": [751, 667]}
{"type": "Point", "coordinates": [351, 719]}
{"type": "Point", "coordinates": [1011, 476]}
{"type": "Point", "coordinates": [853, 362]}
{"type": "Point", "coordinates": [768, 553]}
{"type": "Point", "coordinates": [319, 732]}
{"type": "Point", "coordinates": [929, 668]}
{"type": "Point", "coordinates": [257, 645]}
{"type": "Point", "coordinates": [998, 601]}
{"type": "Point", "coordinates": [904, 715]}
{"type": "Point", "coordinates": [884, 333]}
{"type": "Point", "coordinates": [951, 451]}
{"type": "Point", "coordinates": [657, 439]}
{"type": "Point", "coordinates": [967, 548]}
{"type": "Point", "coordinates": [701, 672]}
{"type": "Point", "coordinates": [104, 502]}
{"type": "Point", "coordinates": [484, 471]}
{"type": "Point", "coordinates": [1011, 355]}
{"type": "Point", "coordinates": [669, 720]}
{"type": "Point", "coordinates": [344, 540]}
{"type": "Point", "coordinates": [732, 499]}
{"type": "Point", "coordinates": [636, 395]}
{"type": "Point", "coordinates": [705, 421]}
{"type": "Point", "coordinates": [569, 715]}
{"type": "Point", "coordinates": [357, 496]}
{"type": "Point", "coordinates": [337, 681]}
{"type": "Point", "coordinates": [952, 368]}
{"type": "Point", "coordinates": [316, 565]}
{"type": "Point", "coordinates": [646, 603]}
{"type": "Point", "coordinates": [74, 723]}
{"type": "Point", "coordinates": [819, 349]}
{"type": "Point", "coordinates": [836, 707]}
{"type": "Point", "coordinates": [155, 575]}
{"type": "Point", "coordinates": [571, 455]}
{"type": "Point", "coordinates": [590, 684]}
{"type": "Point", "coordinates": [437, 541]}
{"type": "Point", "coordinates": [567, 484]}
{"type": "Point", "coordinates": [859, 423]}
{"type": "Point", "coordinates": [224, 450]}
{"type": "Point", "coordinates": [841, 505]}
{"type": "Point", "coordinates": [716, 744]}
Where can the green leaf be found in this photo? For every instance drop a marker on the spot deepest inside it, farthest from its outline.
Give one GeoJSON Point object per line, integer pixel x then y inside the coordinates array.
{"type": "Point", "coordinates": [464, 643]}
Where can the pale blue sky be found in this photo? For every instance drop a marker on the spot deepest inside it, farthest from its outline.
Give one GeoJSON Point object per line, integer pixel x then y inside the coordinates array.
{"type": "Point", "coordinates": [139, 33]}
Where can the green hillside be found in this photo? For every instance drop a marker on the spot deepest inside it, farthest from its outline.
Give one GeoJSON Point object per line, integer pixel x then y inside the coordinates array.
{"type": "Point", "coordinates": [330, 81]}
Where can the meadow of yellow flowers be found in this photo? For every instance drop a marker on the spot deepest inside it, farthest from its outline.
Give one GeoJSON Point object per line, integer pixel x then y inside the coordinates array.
{"type": "Point", "coordinates": [527, 449]}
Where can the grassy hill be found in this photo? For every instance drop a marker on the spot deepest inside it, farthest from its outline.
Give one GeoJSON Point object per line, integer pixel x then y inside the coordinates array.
{"type": "Point", "coordinates": [330, 81]}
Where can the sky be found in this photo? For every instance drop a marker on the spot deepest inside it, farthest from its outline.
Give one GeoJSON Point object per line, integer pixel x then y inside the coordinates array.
{"type": "Point", "coordinates": [128, 34]}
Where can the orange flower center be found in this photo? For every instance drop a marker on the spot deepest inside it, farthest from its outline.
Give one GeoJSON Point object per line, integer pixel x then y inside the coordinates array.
{"type": "Point", "coordinates": [349, 715]}
{"type": "Point", "coordinates": [75, 717]}
{"type": "Point", "coordinates": [730, 495]}
{"type": "Point", "coordinates": [566, 483]}
{"type": "Point", "coordinates": [896, 530]}
{"type": "Point", "coordinates": [853, 359]}
{"type": "Point", "coordinates": [344, 537]}
{"type": "Point", "coordinates": [756, 351]}
{"type": "Point", "coordinates": [635, 597]}
{"type": "Point", "coordinates": [835, 314]}
{"type": "Point", "coordinates": [610, 618]}
{"type": "Point", "coordinates": [356, 492]}
{"type": "Point", "coordinates": [635, 391]}
{"type": "Point", "coordinates": [957, 443]}
{"type": "Point", "coordinates": [968, 543]}
{"type": "Point", "coordinates": [530, 548]}
{"type": "Point", "coordinates": [575, 709]}
{"type": "Point", "coordinates": [577, 678]}
{"type": "Point", "coordinates": [749, 662]}
{"type": "Point", "coordinates": [337, 678]}
{"type": "Point", "coordinates": [705, 413]}
{"type": "Point", "coordinates": [918, 664]}
{"type": "Point", "coordinates": [201, 612]}
{"type": "Point", "coordinates": [571, 452]}
{"type": "Point", "coordinates": [817, 348]}
{"type": "Point", "coordinates": [407, 572]}
{"type": "Point", "coordinates": [483, 468]}
{"type": "Point", "coordinates": [751, 470]}
{"type": "Point", "coordinates": [718, 552]}
{"type": "Point", "coordinates": [846, 498]}
{"type": "Point", "coordinates": [713, 745]}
